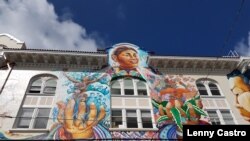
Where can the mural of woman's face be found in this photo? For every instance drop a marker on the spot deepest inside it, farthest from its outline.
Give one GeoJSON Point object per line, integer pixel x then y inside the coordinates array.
{"type": "Point", "coordinates": [128, 59]}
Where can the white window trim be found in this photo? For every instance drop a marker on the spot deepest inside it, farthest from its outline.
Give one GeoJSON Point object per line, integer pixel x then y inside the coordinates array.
{"type": "Point", "coordinates": [135, 88]}
{"type": "Point", "coordinates": [139, 120]}
{"type": "Point", "coordinates": [32, 121]}
{"type": "Point", "coordinates": [220, 115]}
{"type": "Point", "coordinates": [43, 84]}
{"type": "Point", "coordinates": [206, 84]}
{"type": "Point", "coordinates": [37, 106]}
{"type": "Point", "coordinates": [138, 108]}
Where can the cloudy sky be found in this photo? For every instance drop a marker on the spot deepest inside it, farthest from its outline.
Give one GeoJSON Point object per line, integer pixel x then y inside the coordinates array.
{"type": "Point", "coordinates": [167, 27]}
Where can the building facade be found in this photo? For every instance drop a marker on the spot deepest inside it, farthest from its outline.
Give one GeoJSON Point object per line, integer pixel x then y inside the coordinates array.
{"type": "Point", "coordinates": [121, 93]}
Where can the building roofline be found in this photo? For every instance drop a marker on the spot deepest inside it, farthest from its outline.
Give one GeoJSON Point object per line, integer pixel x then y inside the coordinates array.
{"type": "Point", "coordinates": [12, 37]}
{"type": "Point", "coordinates": [52, 50]}
{"type": "Point", "coordinates": [103, 52]}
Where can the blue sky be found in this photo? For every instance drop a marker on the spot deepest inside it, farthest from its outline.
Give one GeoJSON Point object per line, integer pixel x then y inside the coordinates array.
{"type": "Point", "coordinates": [167, 27]}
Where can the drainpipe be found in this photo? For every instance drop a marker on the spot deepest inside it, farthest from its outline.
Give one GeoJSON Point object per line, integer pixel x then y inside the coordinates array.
{"type": "Point", "coordinates": [10, 67]}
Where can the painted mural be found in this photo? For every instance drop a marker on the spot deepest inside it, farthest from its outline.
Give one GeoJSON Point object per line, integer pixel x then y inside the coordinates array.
{"type": "Point", "coordinates": [240, 86]}
{"type": "Point", "coordinates": [85, 113]}
{"type": "Point", "coordinates": [127, 60]}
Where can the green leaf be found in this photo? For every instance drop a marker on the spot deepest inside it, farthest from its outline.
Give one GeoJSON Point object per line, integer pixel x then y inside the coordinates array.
{"type": "Point", "coordinates": [197, 97]}
{"type": "Point", "coordinates": [192, 101]}
{"type": "Point", "coordinates": [187, 113]}
{"type": "Point", "coordinates": [155, 104]}
{"type": "Point", "coordinates": [199, 111]}
{"type": "Point", "coordinates": [164, 103]}
{"type": "Point", "coordinates": [177, 117]}
{"type": "Point", "coordinates": [162, 118]}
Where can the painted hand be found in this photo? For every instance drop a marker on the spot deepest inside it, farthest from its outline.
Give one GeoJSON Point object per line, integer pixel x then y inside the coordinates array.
{"type": "Point", "coordinates": [78, 128]}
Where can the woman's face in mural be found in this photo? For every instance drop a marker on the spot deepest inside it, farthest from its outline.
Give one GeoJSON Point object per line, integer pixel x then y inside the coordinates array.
{"type": "Point", "coordinates": [127, 59]}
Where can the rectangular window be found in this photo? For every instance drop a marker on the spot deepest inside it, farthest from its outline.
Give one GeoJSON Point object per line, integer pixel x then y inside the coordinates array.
{"type": "Point", "coordinates": [24, 118]}
{"type": "Point", "coordinates": [131, 117]}
{"type": "Point", "coordinates": [142, 92]}
{"type": "Point", "coordinates": [214, 118]}
{"type": "Point", "coordinates": [116, 118]}
{"type": "Point", "coordinates": [146, 119]}
{"type": "Point", "coordinates": [129, 91]}
{"type": "Point", "coordinates": [35, 89]}
{"type": "Point", "coordinates": [128, 87]}
{"type": "Point", "coordinates": [227, 116]}
{"type": "Point", "coordinates": [215, 91]}
{"type": "Point", "coordinates": [42, 118]}
{"type": "Point", "coordinates": [28, 119]}
{"type": "Point", "coordinates": [49, 90]}
{"type": "Point", "coordinates": [115, 91]}
{"type": "Point", "coordinates": [202, 89]}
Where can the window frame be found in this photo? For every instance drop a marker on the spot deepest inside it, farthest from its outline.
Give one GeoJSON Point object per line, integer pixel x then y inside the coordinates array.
{"type": "Point", "coordinates": [221, 117]}
{"type": "Point", "coordinates": [134, 88]}
{"type": "Point", "coordinates": [44, 80]}
{"type": "Point", "coordinates": [37, 101]}
{"type": "Point", "coordinates": [207, 88]}
{"type": "Point", "coordinates": [33, 118]}
{"type": "Point", "coordinates": [138, 117]}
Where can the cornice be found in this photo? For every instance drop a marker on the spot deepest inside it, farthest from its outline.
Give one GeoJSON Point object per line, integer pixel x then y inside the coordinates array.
{"type": "Point", "coordinates": [52, 58]}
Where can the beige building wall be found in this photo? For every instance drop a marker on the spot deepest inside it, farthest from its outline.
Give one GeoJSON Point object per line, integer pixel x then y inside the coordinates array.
{"type": "Point", "coordinates": [9, 41]}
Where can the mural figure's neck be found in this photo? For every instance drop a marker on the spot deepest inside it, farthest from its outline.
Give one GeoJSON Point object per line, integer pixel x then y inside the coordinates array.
{"type": "Point", "coordinates": [128, 69]}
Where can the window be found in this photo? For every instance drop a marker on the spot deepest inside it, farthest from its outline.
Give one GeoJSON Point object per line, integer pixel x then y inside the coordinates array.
{"type": "Point", "coordinates": [24, 118]}
{"type": "Point", "coordinates": [42, 118]}
{"type": "Point", "coordinates": [220, 116]}
{"type": "Point", "coordinates": [116, 118]}
{"type": "Point", "coordinates": [202, 89]}
{"type": "Point", "coordinates": [227, 116]}
{"type": "Point", "coordinates": [131, 105]}
{"type": "Point", "coordinates": [38, 101]}
{"type": "Point", "coordinates": [146, 119]}
{"type": "Point", "coordinates": [50, 86]}
{"type": "Point", "coordinates": [128, 87]}
{"type": "Point", "coordinates": [141, 88]}
{"type": "Point", "coordinates": [36, 118]}
{"type": "Point", "coordinates": [43, 85]}
{"type": "Point", "coordinates": [116, 88]}
{"type": "Point", "coordinates": [214, 89]}
{"type": "Point", "coordinates": [208, 87]}
{"type": "Point", "coordinates": [214, 118]}
{"type": "Point", "coordinates": [36, 86]}
{"type": "Point", "coordinates": [133, 118]}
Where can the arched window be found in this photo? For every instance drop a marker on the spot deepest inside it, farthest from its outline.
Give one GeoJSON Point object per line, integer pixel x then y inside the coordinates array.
{"type": "Point", "coordinates": [141, 88]}
{"type": "Point", "coordinates": [128, 87]}
{"type": "Point", "coordinates": [208, 87]}
{"type": "Point", "coordinates": [43, 85]}
{"type": "Point", "coordinates": [50, 86]}
{"type": "Point", "coordinates": [214, 89]}
{"type": "Point", "coordinates": [36, 86]}
{"type": "Point", "coordinates": [214, 103]}
{"type": "Point", "coordinates": [36, 108]}
{"type": "Point", "coordinates": [202, 89]}
{"type": "Point", "coordinates": [116, 88]}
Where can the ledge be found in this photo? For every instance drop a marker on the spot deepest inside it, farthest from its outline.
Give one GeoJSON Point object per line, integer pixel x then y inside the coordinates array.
{"type": "Point", "coordinates": [212, 97]}
{"type": "Point", "coordinates": [133, 129]}
{"type": "Point", "coordinates": [29, 130]}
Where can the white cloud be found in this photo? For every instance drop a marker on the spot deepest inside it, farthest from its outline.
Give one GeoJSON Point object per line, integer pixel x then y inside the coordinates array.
{"type": "Point", "coordinates": [36, 23]}
{"type": "Point", "coordinates": [243, 47]}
